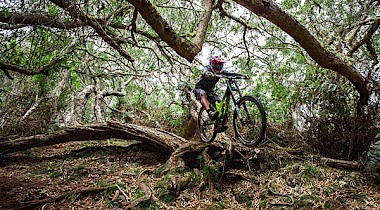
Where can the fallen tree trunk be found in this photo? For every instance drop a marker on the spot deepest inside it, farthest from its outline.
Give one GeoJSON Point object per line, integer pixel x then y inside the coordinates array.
{"type": "Point", "coordinates": [349, 165]}
{"type": "Point", "coordinates": [160, 139]}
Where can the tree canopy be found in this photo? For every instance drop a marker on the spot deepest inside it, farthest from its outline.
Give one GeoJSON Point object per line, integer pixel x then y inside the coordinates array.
{"type": "Point", "coordinates": [69, 62]}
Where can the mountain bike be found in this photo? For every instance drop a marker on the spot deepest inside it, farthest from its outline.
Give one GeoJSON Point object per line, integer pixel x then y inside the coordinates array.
{"type": "Point", "coordinates": [249, 119]}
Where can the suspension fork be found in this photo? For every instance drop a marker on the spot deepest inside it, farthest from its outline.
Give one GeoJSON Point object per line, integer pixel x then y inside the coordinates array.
{"type": "Point", "coordinates": [237, 89]}
{"type": "Point", "coordinates": [232, 86]}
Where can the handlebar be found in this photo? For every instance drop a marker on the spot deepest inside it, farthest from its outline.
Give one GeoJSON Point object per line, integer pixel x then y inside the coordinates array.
{"type": "Point", "coordinates": [232, 76]}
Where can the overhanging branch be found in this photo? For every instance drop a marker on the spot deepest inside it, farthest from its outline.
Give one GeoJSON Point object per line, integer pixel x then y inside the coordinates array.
{"type": "Point", "coordinates": [203, 24]}
{"type": "Point", "coordinates": [367, 37]}
{"type": "Point", "coordinates": [326, 59]}
{"type": "Point", "coordinates": [106, 35]}
{"type": "Point", "coordinates": [182, 46]}
{"type": "Point", "coordinates": [44, 69]}
{"type": "Point", "coordinates": [24, 19]}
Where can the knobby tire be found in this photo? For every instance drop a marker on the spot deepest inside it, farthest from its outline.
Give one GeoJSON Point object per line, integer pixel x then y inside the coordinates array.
{"type": "Point", "coordinates": [249, 126]}
{"type": "Point", "coordinates": [206, 130]}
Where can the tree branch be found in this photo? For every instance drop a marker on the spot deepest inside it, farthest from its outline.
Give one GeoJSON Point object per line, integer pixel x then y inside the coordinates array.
{"type": "Point", "coordinates": [107, 35]}
{"type": "Point", "coordinates": [323, 57]}
{"type": "Point", "coordinates": [16, 68]}
{"type": "Point", "coordinates": [203, 24]}
{"type": "Point", "coordinates": [25, 19]}
{"type": "Point", "coordinates": [80, 102]}
{"type": "Point", "coordinates": [44, 69]}
{"type": "Point", "coordinates": [179, 44]}
{"type": "Point", "coordinates": [367, 37]}
{"type": "Point", "coordinates": [147, 196]}
{"type": "Point", "coordinates": [182, 46]}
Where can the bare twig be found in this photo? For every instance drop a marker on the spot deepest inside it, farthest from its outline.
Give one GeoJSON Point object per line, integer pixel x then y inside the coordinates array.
{"type": "Point", "coordinates": [122, 192]}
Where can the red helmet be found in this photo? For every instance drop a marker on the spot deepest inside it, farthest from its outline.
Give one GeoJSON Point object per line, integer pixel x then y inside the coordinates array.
{"type": "Point", "coordinates": [216, 63]}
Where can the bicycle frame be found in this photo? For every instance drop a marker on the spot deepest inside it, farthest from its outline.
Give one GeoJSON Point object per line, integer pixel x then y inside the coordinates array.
{"type": "Point", "coordinates": [223, 106]}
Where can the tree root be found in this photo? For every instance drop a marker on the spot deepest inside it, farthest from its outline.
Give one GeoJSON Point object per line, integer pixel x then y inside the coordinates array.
{"type": "Point", "coordinates": [35, 203]}
{"type": "Point", "coordinates": [147, 196]}
{"type": "Point", "coordinates": [176, 159]}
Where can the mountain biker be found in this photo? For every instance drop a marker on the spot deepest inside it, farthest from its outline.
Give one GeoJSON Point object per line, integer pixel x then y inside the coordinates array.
{"type": "Point", "coordinates": [204, 89]}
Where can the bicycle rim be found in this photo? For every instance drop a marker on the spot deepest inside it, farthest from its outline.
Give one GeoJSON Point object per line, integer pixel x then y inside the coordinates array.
{"type": "Point", "coordinates": [249, 121]}
{"type": "Point", "coordinates": [205, 127]}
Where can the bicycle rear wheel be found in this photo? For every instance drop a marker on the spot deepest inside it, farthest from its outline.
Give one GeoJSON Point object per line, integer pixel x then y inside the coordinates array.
{"type": "Point", "coordinates": [206, 127]}
{"type": "Point", "coordinates": [249, 121]}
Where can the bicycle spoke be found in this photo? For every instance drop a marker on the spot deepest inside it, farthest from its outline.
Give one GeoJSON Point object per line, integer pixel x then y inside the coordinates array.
{"type": "Point", "coordinates": [206, 127]}
{"type": "Point", "coordinates": [249, 121]}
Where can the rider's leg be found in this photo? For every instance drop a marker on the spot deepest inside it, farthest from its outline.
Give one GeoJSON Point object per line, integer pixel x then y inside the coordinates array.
{"type": "Point", "coordinates": [206, 106]}
{"type": "Point", "coordinates": [204, 102]}
{"type": "Point", "coordinates": [202, 97]}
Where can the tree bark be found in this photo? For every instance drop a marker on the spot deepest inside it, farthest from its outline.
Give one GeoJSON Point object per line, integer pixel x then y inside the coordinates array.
{"type": "Point", "coordinates": [80, 103]}
{"type": "Point", "coordinates": [194, 108]}
{"type": "Point", "coordinates": [160, 139]}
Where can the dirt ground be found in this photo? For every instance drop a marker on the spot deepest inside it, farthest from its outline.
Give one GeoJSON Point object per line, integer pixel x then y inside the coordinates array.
{"type": "Point", "coordinates": [108, 174]}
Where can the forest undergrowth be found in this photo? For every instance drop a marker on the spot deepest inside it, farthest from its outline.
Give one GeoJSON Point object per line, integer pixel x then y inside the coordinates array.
{"type": "Point", "coordinates": [115, 174]}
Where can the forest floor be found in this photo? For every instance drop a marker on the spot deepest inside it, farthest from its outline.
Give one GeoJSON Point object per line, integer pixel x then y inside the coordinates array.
{"type": "Point", "coordinates": [108, 175]}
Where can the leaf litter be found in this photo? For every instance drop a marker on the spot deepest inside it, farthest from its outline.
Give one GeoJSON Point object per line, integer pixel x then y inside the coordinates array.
{"type": "Point", "coordinates": [276, 182]}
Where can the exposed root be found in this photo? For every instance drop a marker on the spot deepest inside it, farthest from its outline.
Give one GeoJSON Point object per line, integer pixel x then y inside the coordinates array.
{"type": "Point", "coordinates": [176, 159]}
{"type": "Point", "coordinates": [147, 196]}
{"type": "Point", "coordinates": [179, 182]}
{"type": "Point", "coordinates": [35, 203]}
{"type": "Point", "coordinates": [238, 174]}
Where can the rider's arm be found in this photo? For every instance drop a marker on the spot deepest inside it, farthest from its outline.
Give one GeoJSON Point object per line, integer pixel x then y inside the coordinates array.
{"type": "Point", "coordinates": [207, 73]}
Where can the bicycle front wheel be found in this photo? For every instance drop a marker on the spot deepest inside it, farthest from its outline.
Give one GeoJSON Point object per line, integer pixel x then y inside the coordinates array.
{"type": "Point", "coordinates": [206, 127]}
{"type": "Point", "coordinates": [249, 121]}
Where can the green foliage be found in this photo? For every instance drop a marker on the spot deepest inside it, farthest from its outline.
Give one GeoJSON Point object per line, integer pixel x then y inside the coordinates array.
{"type": "Point", "coordinates": [263, 203]}
{"type": "Point", "coordinates": [211, 170]}
{"type": "Point", "coordinates": [5, 10]}
{"type": "Point", "coordinates": [306, 201]}
{"type": "Point", "coordinates": [139, 193]}
{"type": "Point", "coordinates": [373, 160]}
{"type": "Point", "coordinates": [79, 169]}
{"type": "Point", "coordinates": [149, 205]}
{"type": "Point", "coordinates": [310, 172]}
{"type": "Point", "coordinates": [55, 174]}
{"type": "Point", "coordinates": [162, 191]}
{"type": "Point", "coordinates": [136, 97]}
{"type": "Point", "coordinates": [194, 179]}
{"type": "Point", "coordinates": [42, 81]}
{"type": "Point", "coordinates": [218, 206]}
{"type": "Point", "coordinates": [74, 76]}
{"type": "Point", "coordinates": [30, 152]}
